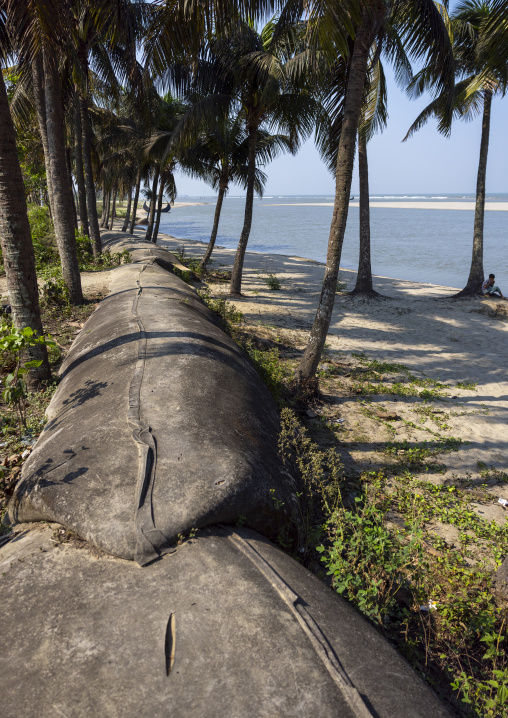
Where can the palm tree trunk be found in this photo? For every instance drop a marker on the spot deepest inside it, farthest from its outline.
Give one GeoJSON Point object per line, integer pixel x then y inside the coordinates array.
{"type": "Point", "coordinates": [104, 193]}
{"type": "Point", "coordinates": [343, 177]}
{"type": "Point", "coordinates": [17, 247]}
{"type": "Point", "coordinates": [135, 207]}
{"type": "Point", "coordinates": [128, 212]}
{"type": "Point", "coordinates": [80, 177]}
{"type": "Point", "coordinates": [61, 191]}
{"type": "Point", "coordinates": [476, 276]}
{"type": "Point", "coordinates": [364, 277]}
{"type": "Point", "coordinates": [235, 288]}
{"type": "Point", "coordinates": [40, 107]}
{"type": "Point", "coordinates": [216, 218]}
{"type": "Point", "coordinates": [151, 216]}
{"type": "Point", "coordinates": [68, 162]}
{"type": "Point", "coordinates": [159, 210]}
{"type": "Point", "coordinates": [108, 207]}
{"type": "Point", "coordinates": [113, 209]}
{"type": "Point", "coordinates": [91, 201]}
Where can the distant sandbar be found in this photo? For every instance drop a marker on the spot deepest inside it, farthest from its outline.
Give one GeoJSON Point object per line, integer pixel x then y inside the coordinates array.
{"type": "Point", "coordinates": [492, 206]}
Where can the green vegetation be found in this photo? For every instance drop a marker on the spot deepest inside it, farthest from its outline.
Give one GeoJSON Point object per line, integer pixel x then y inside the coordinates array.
{"type": "Point", "coordinates": [373, 533]}
{"type": "Point", "coordinates": [18, 432]}
{"type": "Point", "coordinates": [230, 316]}
{"type": "Point", "coordinates": [272, 282]}
{"type": "Point", "coordinates": [13, 344]}
{"type": "Point", "coordinates": [46, 253]}
{"type": "Point", "coordinates": [369, 371]}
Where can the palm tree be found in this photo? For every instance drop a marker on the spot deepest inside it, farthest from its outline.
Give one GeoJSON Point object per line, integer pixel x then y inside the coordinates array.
{"type": "Point", "coordinates": [48, 91]}
{"type": "Point", "coordinates": [164, 149]}
{"type": "Point", "coordinates": [480, 75]}
{"type": "Point", "coordinates": [421, 27]}
{"type": "Point", "coordinates": [221, 154]}
{"type": "Point", "coordinates": [104, 35]}
{"type": "Point", "coordinates": [39, 45]}
{"type": "Point", "coordinates": [79, 170]}
{"type": "Point", "coordinates": [374, 115]}
{"type": "Point", "coordinates": [256, 68]}
{"type": "Point", "coordinates": [167, 187]}
{"type": "Point", "coordinates": [15, 235]}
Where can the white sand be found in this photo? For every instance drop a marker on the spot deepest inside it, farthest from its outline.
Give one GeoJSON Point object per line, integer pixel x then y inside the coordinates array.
{"type": "Point", "coordinates": [177, 205]}
{"type": "Point", "coordinates": [448, 340]}
{"type": "Point", "coordinates": [491, 206]}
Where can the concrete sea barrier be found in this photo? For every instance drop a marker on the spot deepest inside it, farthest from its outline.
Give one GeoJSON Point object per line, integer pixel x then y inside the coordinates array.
{"type": "Point", "coordinates": [160, 425]}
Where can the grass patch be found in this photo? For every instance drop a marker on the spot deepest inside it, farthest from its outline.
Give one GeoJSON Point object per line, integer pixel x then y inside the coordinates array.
{"type": "Point", "coordinates": [272, 282]}
{"type": "Point", "coordinates": [391, 570]}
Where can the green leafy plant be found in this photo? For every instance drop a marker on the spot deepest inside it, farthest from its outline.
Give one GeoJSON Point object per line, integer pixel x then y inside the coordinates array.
{"type": "Point", "coordinates": [15, 342]}
{"type": "Point", "coordinates": [54, 291]}
{"type": "Point", "coordinates": [274, 373]}
{"type": "Point", "coordinates": [272, 282]}
{"type": "Point", "coordinates": [229, 314]}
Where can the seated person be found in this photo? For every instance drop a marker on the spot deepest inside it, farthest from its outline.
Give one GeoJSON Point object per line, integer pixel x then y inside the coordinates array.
{"type": "Point", "coordinates": [490, 287]}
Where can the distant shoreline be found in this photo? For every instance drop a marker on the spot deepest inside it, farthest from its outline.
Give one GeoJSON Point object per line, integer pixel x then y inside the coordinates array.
{"type": "Point", "coordinates": [465, 206]}
{"type": "Point", "coordinates": [178, 205]}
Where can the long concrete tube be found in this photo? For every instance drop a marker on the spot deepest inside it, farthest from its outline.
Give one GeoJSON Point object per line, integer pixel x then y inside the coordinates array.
{"type": "Point", "coordinates": [159, 425]}
{"type": "Point", "coordinates": [225, 625]}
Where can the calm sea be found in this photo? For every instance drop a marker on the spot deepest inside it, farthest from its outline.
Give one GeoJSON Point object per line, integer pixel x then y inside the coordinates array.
{"type": "Point", "coordinates": [423, 245]}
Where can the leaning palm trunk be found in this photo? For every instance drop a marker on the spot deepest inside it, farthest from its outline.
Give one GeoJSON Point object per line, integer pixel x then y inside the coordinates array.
{"type": "Point", "coordinates": [159, 211]}
{"type": "Point", "coordinates": [235, 288]}
{"type": "Point", "coordinates": [215, 229]}
{"type": "Point", "coordinates": [343, 177]}
{"type": "Point", "coordinates": [40, 108]}
{"type": "Point", "coordinates": [68, 163]}
{"type": "Point", "coordinates": [128, 212]}
{"type": "Point", "coordinates": [61, 191]}
{"type": "Point", "coordinates": [364, 277]}
{"type": "Point", "coordinates": [80, 177]}
{"type": "Point", "coordinates": [135, 204]}
{"type": "Point", "coordinates": [104, 199]}
{"type": "Point", "coordinates": [476, 277]}
{"type": "Point", "coordinates": [113, 208]}
{"type": "Point", "coordinates": [108, 206]}
{"type": "Point", "coordinates": [16, 241]}
{"type": "Point", "coordinates": [153, 201]}
{"type": "Point", "coordinates": [91, 200]}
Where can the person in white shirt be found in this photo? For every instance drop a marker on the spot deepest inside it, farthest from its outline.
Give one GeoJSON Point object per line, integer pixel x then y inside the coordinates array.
{"type": "Point", "coordinates": [490, 287]}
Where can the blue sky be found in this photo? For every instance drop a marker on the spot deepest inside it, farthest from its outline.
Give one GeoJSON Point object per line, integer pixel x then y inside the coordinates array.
{"type": "Point", "coordinates": [427, 163]}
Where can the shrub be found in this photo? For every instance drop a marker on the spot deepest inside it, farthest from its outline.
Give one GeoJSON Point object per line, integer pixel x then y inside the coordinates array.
{"type": "Point", "coordinates": [272, 282]}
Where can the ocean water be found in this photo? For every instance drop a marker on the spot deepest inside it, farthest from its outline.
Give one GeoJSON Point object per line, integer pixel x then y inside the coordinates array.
{"type": "Point", "coordinates": [422, 245]}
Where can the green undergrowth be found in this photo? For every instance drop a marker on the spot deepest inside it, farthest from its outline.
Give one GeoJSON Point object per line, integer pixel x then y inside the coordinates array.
{"type": "Point", "coordinates": [195, 270]}
{"type": "Point", "coordinates": [47, 260]}
{"type": "Point", "coordinates": [60, 322]}
{"type": "Point", "coordinates": [372, 377]}
{"type": "Point", "coordinates": [374, 536]}
{"type": "Point", "coordinates": [272, 282]}
{"type": "Point", "coordinates": [415, 557]}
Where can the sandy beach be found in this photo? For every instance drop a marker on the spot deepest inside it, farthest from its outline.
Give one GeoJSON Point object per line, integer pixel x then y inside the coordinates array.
{"type": "Point", "coordinates": [176, 205]}
{"type": "Point", "coordinates": [462, 341]}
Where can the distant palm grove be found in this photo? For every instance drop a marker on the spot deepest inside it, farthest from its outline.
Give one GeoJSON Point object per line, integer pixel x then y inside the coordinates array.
{"type": "Point", "coordinates": [101, 99]}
